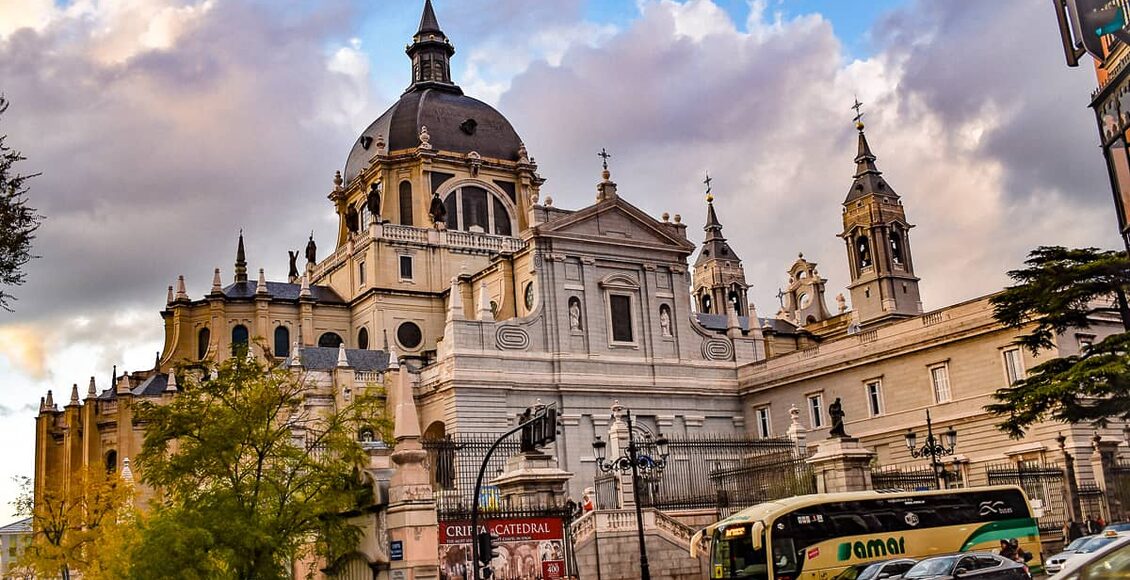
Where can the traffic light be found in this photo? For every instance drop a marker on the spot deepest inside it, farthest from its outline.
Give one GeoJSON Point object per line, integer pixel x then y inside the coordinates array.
{"type": "Point", "coordinates": [487, 551]}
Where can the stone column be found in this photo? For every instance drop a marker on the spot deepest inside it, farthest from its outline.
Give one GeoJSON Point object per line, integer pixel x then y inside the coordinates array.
{"type": "Point", "coordinates": [412, 518]}
{"type": "Point", "coordinates": [1070, 484]}
{"type": "Point", "coordinates": [532, 480]}
{"type": "Point", "coordinates": [842, 464]}
{"type": "Point", "coordinates": [1102, 465]}
{"type": "Point", "coordinates": [617, 447]}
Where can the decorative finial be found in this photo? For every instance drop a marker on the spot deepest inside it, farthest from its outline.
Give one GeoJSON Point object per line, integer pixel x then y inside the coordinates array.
{"type": "Point", "coordinates": [240, 260]}
{"type": "Point", "coordinates": [74, 394]}
{"type": "Point", "coordinates": [604, 155]}
{"type": "Point", "coordinates": [91, 389]}
{"type": "Point", "coordinates": [678, 219]}
{"type": "Point", "coordinates": [338, 181]}
{"type": "Point", "coordinates": [858, 115]}
{"type": "Point", "coordinates": [171, 384]}
{"type": "Point", "coordinates": [709, 196]}
{"type": "Point", "coordinates": [217, 287]}
{"type": "Point", "coordinates": [127, 473]}
{"type": "Point", "coordinates": [523, 154]}
{"type": "Point", "coordinates": [169, 300]}
{"type": "Point", "coordinates": [181, 293]}
{"type": "Point", "coordinates": [261, 286]}
{"type": "Point", "coordinates": [425, 138]}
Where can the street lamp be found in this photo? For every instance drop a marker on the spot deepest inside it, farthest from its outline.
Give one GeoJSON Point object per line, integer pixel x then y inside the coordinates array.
{"type": "Point", "coordinates": [933, 447]}
{"type": "Point", "coordinates": [632, 460]}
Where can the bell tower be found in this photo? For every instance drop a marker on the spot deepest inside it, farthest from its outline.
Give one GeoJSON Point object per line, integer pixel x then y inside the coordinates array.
{"type": "Point", "coordinates": [803, 301]}
{"type": "Point", "coordinates": [877, 235]}
{"type": "Point", "coordinates": [719, 279]}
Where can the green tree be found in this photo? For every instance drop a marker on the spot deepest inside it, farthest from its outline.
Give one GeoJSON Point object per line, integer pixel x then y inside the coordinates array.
{"type": "Point", "coordinates": [253, 471]}
{"type": "Point", "coordinates": [1058, 290]}
{"type": "Point", "coordinates": [18, 221]}
{"type": "Point", "coordinates": [76, 529]}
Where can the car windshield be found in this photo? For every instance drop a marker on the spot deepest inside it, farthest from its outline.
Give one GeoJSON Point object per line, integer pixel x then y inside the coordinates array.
{"type": "Point", "coordinates": [931, 567]}
{"type": "Point", "coordinates": [870, 572]}
{"type": "Point", "coordinates": [851, 573]}
{"type": "Point", "coordinates": [1095, 543]}
{"type": "Point", "coordinates": [1077, 542]}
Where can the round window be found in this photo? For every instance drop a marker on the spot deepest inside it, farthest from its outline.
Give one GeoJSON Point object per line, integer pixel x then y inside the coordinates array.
{"type": "Point", "coordinates": [409, 335]}
{"type": "Point", "coordinates": [529, 295]}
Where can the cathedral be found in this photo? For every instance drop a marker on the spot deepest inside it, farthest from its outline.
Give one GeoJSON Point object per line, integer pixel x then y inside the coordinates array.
{"type": "Point", "coordinates": [450, 263]}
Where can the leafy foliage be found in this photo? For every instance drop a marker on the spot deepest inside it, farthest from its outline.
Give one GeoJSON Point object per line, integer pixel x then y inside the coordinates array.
{"type": "Point", "coordinates": [18, 221]}
{"type": "Point", "coordinates": [1062, 289]}
{"type": "Point", "coordinates": [252, 470]}
{"type": "Point", "coordinates": [77, 528]}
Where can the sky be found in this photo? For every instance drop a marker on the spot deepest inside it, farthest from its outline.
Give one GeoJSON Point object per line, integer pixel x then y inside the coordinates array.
{"type": "Point", "coordinates": [162, 127]}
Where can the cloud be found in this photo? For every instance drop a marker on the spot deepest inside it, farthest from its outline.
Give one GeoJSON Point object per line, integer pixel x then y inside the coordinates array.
{"type": "Point", "coordinates": [683, 90]}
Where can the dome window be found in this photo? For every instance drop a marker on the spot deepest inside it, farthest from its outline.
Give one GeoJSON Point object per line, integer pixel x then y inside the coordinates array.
{"type": "Point", "coordinates": [474, 209]}
{"type": "Point", "coordinates": [469, 126]}
{"type": "Point", "coordinates": [409, 335]}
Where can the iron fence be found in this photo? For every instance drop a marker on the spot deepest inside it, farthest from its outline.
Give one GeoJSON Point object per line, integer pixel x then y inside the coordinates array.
{"type": "Point", "coordinates": [1118, 498]}
{"type": "Point", "coordinates": [762, 478]}
{"type": "Point", "coordinates": [1044, 485]}
{"type": "Point", "coordinates": [1092, 502]}
{"type": "Point", "coordinates": [703, 470]}
{"type": "Point", "coordinates": [909, 479]}
{"type": "Point", "coordinates": [454, 464]}
{"type": "Point", "coordinates": [607, 491]}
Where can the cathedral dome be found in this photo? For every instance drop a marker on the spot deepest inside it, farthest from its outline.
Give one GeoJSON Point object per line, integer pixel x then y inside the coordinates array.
{"type": "Point", "coordinates": [456, 123]}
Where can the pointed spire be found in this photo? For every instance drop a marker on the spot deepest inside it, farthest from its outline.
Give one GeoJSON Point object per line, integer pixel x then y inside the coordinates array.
{"type": "Point", "coordinates": [864, 158]}
{"type": "Point", "coordinates": [74, 394]}
{"type": "Point", "coordinates": [261, 287]}
{"type": "Point", "coordinates": [181, 293]}
{"type": "Point", "coordinates": [455, 301]}
{"type": "Point", "coordinates": [240, 261]}
{"type": "Point", "coordinates": [342, 360]}
{"type": "Point", "coordinates": [169, 300]}
{"type": "Point", "coordinates": [42, 404]}
{"type": "Point", "coordinates": [431, 52]}
{"type": "Point", "coordinates": [123, 385]}
{"type": "Point", "coordinates": [157, 361]}
{"type": "Point", "coordinates": [114, 376]}
{"type": "Point", "coordinates": [428, 21]}
{"type": "Point", "coordinates": [867, 179]}
{"type": "Point", "coordinates": [92, 389]}
{"type": "Point", "coordinates": [217, 286]}
{"type": "Point", "coordinates": [50, 402]}
{"type": "Point", "coordinates": [171, 384]}
{"type": "Point", "coordinates": [304, 291]}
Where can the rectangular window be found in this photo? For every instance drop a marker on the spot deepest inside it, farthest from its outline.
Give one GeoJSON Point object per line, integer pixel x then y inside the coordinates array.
{"type": "Point", "coordinates": [621, 310]}
{"type": "Point", "coordinates": [875, 397]}
{"type": "Point", "coordinates": [1013, 366]}
{"type": "Point", "coordinates": [406, 267]}
{"type": "Point", "coordinates": [361, 273]}
{"type": "Point", "coordinates": [940, 378]}
{"type": "Point", "coordinates": [1085, 341]}
{"type": "Point", "coordinates": [816, 410]}
{"type": "Point", "coordinates": [764, 428]}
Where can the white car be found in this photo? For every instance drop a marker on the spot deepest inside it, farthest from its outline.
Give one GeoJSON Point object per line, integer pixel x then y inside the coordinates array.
{"type": "Point", "coordinates": [1056, 562]}
{"type": "Point", "coordinates": [1112, 560]}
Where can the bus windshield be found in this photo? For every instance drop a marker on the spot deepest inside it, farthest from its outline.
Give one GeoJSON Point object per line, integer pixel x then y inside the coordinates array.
{"type": "Point", "coordinates": [733, 554]}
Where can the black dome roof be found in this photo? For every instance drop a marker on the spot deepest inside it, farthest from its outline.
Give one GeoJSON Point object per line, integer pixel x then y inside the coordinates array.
{"type": "Point", "coordinates": [455, 122]}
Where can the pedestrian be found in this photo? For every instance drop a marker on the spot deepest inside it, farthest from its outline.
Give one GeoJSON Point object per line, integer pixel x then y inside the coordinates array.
{"type": "Point", "coordinates": [1102, 524]}
{"type": "Point", "coordinates": [1008, 551]}
{"type": "Point", "coordinates": [1092, 525]}
{"type": "Point", "coordinates": [1076, 530]}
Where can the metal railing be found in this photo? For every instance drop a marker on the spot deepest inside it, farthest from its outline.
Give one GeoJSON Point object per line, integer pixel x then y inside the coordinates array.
{"type": "Point", "coordinates": [907, 479]}
{"type": "Point", "coordinates": [1043, 484]}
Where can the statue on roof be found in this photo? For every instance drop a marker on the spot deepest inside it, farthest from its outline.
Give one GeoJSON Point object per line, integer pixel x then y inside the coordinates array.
{"type": "Point", "coordinates": [351, 218]}
{"type": "Point", "coordinates": [373, 200]}
{"type": "Point", "coordinates": [311, 250]}
{"type": "Point", "coordinates": [836, 413]}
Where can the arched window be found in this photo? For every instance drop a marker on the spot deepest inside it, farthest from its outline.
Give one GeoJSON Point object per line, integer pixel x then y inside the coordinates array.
{"type": "Point", "coordinates": [363, 339]}
{"type": "Point", "coordinates": [706, 304]}
{"type": "Point", "coordinates": [239, 338]}
{"type": "Point", "coordinates": [111, 461]}
{"type": "Point", "coordinates": [282, 341]}
{"type": "Point", "coordinates": [330, 340]}
{"type": "Point", "coordinates": [203, 337]}
{"type": "Point", "coordinates": [474, 209]}
{"type": "Point", "coordinates": [735, 301]}
{"type": "Point", "coordinates": [896, 245]}
{"type": "Point", "coordinates": [863, 251]}
{"type": "Point", "coordinates": [406, 203]}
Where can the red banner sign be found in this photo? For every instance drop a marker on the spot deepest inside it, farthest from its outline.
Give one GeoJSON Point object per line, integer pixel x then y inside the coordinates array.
{"type": "Point", "coordinates": [528, 548]}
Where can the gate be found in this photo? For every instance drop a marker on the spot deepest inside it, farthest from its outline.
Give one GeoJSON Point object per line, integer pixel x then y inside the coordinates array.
{"type": "Point", "coordinates": [1120, 484]}
{"type": "Point", "coordinates": [1092, 503]}
{"type": "Point", "coordinates": [762, 478]}
{"type": "Point", "coordinates": [1043, 484]}
{"type": "Point", "coordinates": [534, 541]}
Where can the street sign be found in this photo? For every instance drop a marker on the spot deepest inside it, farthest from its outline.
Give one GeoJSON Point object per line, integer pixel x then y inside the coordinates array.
{"type": "Point", "coordinates": [396, 550]}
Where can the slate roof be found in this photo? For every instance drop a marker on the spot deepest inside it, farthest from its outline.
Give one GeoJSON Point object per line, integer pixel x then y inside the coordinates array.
{"type": "Point", "coordinates": [17, 527]}
{"type": "Point", "coordinates": [324, 359]}
{"type": "Point", "coordinates": [719, 322]}
{"type": "Point", "coordinates": [152, 387]}
{"type": "Point", "coordinates": [283, 291]}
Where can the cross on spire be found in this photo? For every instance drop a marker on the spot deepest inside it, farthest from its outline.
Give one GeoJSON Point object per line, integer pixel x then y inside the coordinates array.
{"type": "Point", "coordinates": [781, 297]}
{"type": "Point", "coordinates": [858, 114]}
{"type": "Point", "coordinates": [707, 182]}
{"type": "Point", "coordinates": [604, 155]}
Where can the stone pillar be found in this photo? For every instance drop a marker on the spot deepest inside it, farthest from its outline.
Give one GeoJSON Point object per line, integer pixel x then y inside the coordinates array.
{"type": "Point", "coordinates": [617, 447]}
{"type": "Point", "coordinates": [796, 430]}
{"type": "Point", "coordinates": [412, 518]}
{"type": "Point", "coordinates": [1070, 483]}
{"type": "Point", "coordinates": [532, 480]}
{"type": "Point", "coordinates": [1102, 465]}
{"type": "Point", "coordinates": [842, 464]}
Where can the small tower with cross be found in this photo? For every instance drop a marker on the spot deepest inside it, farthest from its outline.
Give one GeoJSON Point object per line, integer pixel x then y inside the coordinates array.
{"type": "Point", "coordinates": [718, 284]}
{"type": "Point", "coordinates": [606, 189]}
{"type": "Point", "coordinates": [883, 285]}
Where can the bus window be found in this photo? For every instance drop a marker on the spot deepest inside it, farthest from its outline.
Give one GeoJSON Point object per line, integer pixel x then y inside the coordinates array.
{"type": "Point", "coordinates": [785, 559]}
{"type": "Point", "coordinates": [735, 557]}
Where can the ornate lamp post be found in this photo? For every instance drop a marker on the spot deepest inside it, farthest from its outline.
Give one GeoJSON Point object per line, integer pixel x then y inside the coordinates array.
{"type": "Point", "coordinates": [637, 463]}
{"type": "Point", "coordinates": [933, 448]}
